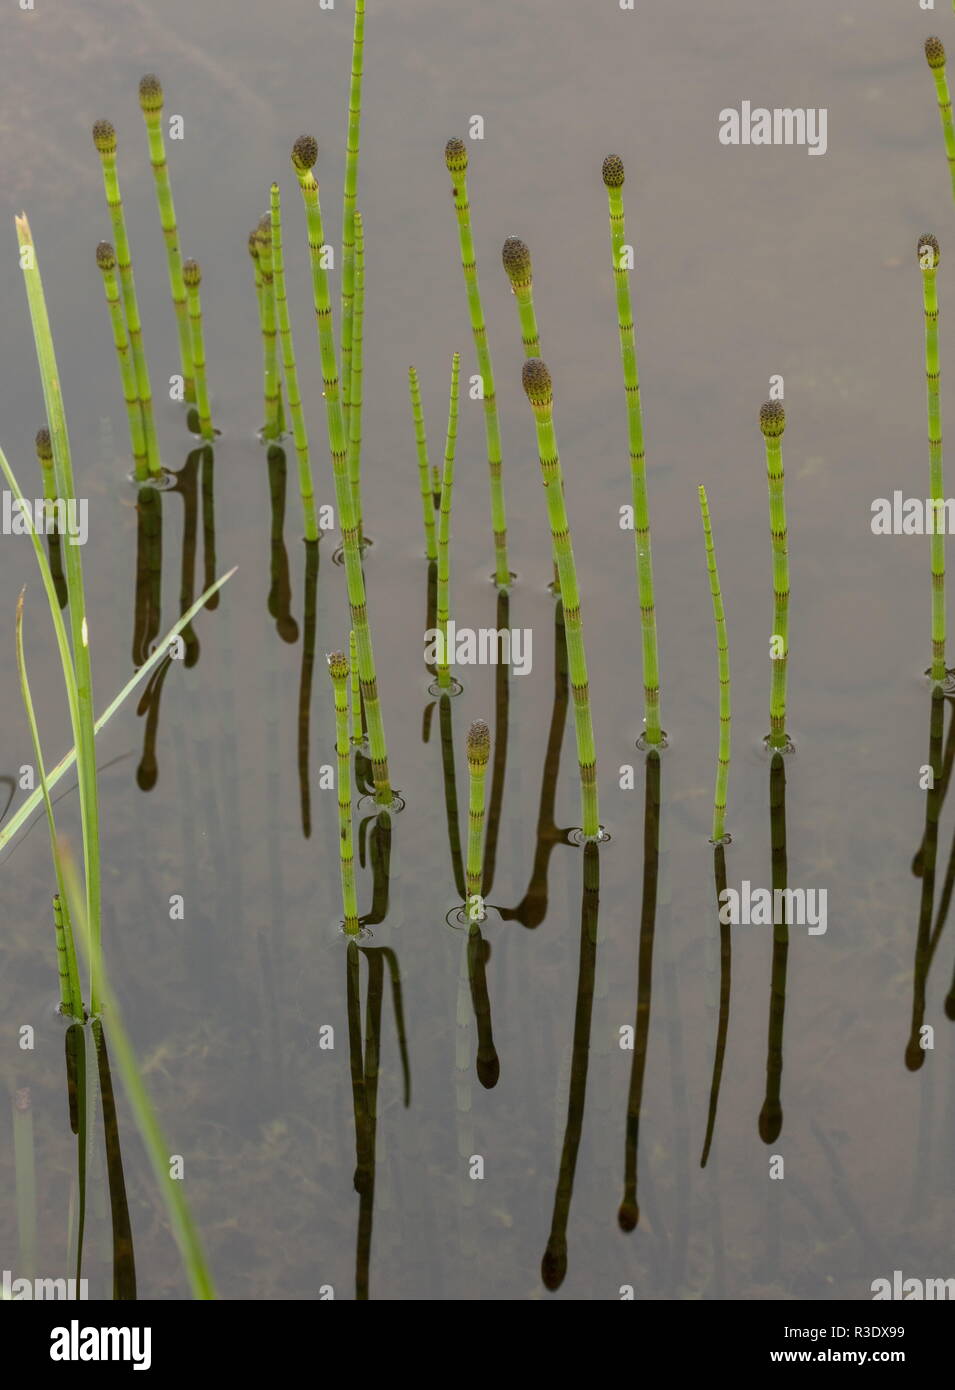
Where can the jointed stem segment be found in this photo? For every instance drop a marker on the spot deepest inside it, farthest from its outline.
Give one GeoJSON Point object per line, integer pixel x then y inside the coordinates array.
{"type": "Point", "coordinates": [353, 415]}
{"type": "Point", "coordinates": [479, 753]}
{"type": "Point", "coordinates": [106, 260]}
{"type": "Point", "coordinates": [723, 661]}
{"type": "Point", "coordinates": [424, 473]}
{"type": "Point", "coordinates": [274, 415]}
{"type": "Point", "coordinates": [928, 256]}
{"type": "Point", "coordinates": [772, 422]}
{"type": "Point", "coordinates": [306, 484]}
{"type": "Point", "coordinates": [935, 57]}
{"type": "Point", "coordinates": [192, 278]}
{"type": "Point", "coordinates": [456, 158]}
{"type": "Point", "coordinates": [348, 209]}
{"type": "Point", "coordinates": [444, 528]}
{"type": "Point", "coordinates": [304, 154]}
{"type": "Point", "coordinates": [613, 177]}
{"type": "Point", "coordinates": [338, 668]}
{"type": "Point", "coordinates": [537, 385]}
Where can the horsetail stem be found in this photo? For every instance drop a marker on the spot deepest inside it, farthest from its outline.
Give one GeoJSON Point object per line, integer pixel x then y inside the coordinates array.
{"type": "Point", "coordinates": [151, 103]}
{"type": "Point", "coordinates": [723, 659]}
{"type": "Point", "coordinates": [613, 177]}
{"type": "Point", "coordinates": [306, 485]}
{"type": "Point", "coordinates": [357, 733]}
{"type": "Point", "coordinates": [479, 753]}
{"type": "Point", "coordinates": [517, 263]}
{"type": "Point", "coordinates": [304, 155]}
{"type": "Point", "coordinates": [928, 257]}
{"type": "Point", "coordinates": [772, 422]}
{"type": "Point", "coordinates": [537, 384]}
{"type": "Point", "coordinates": [424, 473]}
{"type": "Point", "coordinates": [104, 138]}
{"type": "Point", "coordinates": [106, 260]}
{"type": "Point", "coordinates": [456, 158]}
{"type": "Point", "coordinates": [71, 1001]}
{"type": "Point", "coordinates": [349, 235]}
{"type": "Point", "coordinates": [192, 279]}
{"type": "Point", "coordinates": [274, 419]}
{"type": "Point", "coordinates": [353, 414]}
{"type": "Point", "coordinates": [444, 528]}
{"type": "Point", "coordinates": [935, 57]}
{"type": "Point", "coordinates": [338, 667]}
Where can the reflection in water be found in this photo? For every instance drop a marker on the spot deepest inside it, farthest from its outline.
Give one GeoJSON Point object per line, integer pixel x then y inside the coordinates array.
{"type": "Point", "coordinates": [726, 960]}
{"type": "Point", "coordinates": [124, 1262]}
{"type": "Point", "coordinates": [629, 1213]}
{"type": "Point", "coordinates": [280, 593]}
{"type": "Point", "coordinates": [479, 953]}
{"type": "Point", "coordinates": [502, 701]}
{"type": "Point", "coordinates": [532, 909]}
{"type": "Point", "coordinates": [924, 866]}
{"type": "Point", "coordinates": [771, 1115]}
{"type": "Point", "coordinates": [554, 1263]}
{"type": "Point", "coordinates": [364, 1075]}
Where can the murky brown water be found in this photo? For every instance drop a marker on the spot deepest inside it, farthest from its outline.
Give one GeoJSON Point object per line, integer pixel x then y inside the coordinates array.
{"type": "Point", "coordinates": [749, 262]}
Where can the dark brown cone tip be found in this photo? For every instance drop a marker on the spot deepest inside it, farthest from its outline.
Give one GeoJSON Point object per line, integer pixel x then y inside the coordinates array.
{"type": "Point", "coordinates": [479, 742]}
{"type": "Point", "coordinates": [772, 419]}
{"type": "Point", "coordinates": [44, 445]}
{"type": "Point", "coordinates": [935, 52]}
{"type": "Point", "coordinates": [536, 380]}
{"type": "Point", "coordinates": [304, 153]}
{"type": "Point", "coordinates": [191, 274]}
{"type": "Point", "coordinates": [150, 92]}
{"type": "Point", "coordinates": [105, 256]}
{"type": "Point", "coordinates": [456, 155]}
{"type": "Point", "coordinates": [928, 240]}
{"type": "Point", "coordinates": [104, 136]}
{"type": "Point", "coordinates": [612, 171]}
{"type": "Point", "coordinates": [517, 260]}
{"type": "Point", "coordinates": [338, 665]}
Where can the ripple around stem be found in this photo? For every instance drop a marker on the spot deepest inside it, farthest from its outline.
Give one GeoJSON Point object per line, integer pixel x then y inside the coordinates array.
{"type": "Point", "coordinates": [787, 748]}
{"type": "Point", "coordinates": [338, 556]}
{"type": "Point", "coordinates": [455, 688]}
{"type": "Point", "coordinates": [363, 934]}
{"type": "Point", "coordinates": [577, 837]}
{"type": "Point", "coordinates": [645, 746]}
{"type": "Point", "coordinates": [459, 919]}
{"type": "Point", "coordinates": [394, 807]}
{"type": "Point", "coordinates": [725, 839]}
{"type": "Point", "coordinates": [164, 482]}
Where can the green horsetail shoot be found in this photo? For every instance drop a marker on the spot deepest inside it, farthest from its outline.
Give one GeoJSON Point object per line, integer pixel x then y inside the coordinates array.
{"type": "Point", "coordinates": [349, 231]}
{"type": "Point", "coordinates": [538, 388]}
{"type": "Point", "coordinates": [44, 453]}
{"type": "Point", "coordinates": [357, 733]}
{"type": "Point", "coordinates": [935, 57]}
{"type": "Point", "coordinates": [479, 754]}
{"type": "Point", "coordinates": [444, 531]}
{"type": "Point", "coordinates": [192, 279]}
{"type": "Point", "coordinates": [151, 103]}
{"type": "Point", "coordinates": [306, 485]}
{"type": "Point", "coordinates": [304, 155]}
{"type": "Point", "coordinates": [772, 422]}
{"type": "Point", "coordinates": [104, 138]}
{"type": "Point", "coordinates": [516, 257]}
{"type": "Point", "coordinates": [353, 416]}
{"type": "Point", "coordinates": [272, 386]}
{"type": "Point", "coordinates": [928, 257]}
{"type": "Point", "coordinates": [424, 472]}
{"type": "Point", "coordinates": [456, 158]}
{"type": "Point", "coordinates": [719, 836]}
{"type": "Point", "coordinates": [338, 668]}
{"type": "Point", "coordinates": [106, 260]}
{"type": "Point", "coordinates": [613, 177]}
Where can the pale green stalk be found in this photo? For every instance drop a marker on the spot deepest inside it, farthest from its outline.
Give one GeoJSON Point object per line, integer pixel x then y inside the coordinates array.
{"type": "Point", "coordinates": [444, 530]}
{"type": "Point", "coordinates": [357, 733]}
{"type": "Point", "coordinates": [424, 472]}
{"type": "Point", "coordinates": [456, 158]}
{"type": "Point", "coordinates": [70, 991]}
{"type": "Point", "coordinates": [306, 485]}
{"type": "Point", "coordinates": [537, 385]}
{"type": "Point", "coordinates": [479, 753]}
{"type": "Point", "coordinates": [304, 155]}
{"type": "Point", "coordinates": [81, 711]}
{"type": "Point", "coordinates": [353, 414]}
{"type": "Point", "coordinates": [935, 56]}
{"type": "Point", "coordinates": [192, 279]}
{"type": "Point", "coordinates": [772, 422]}
{"type": "Point", "coordinates": [104, 138]}
{"type": "Point", "coordinates": [928, 257]}
{"type": "Point", "coordinates": [349, 234]}
{"type": "Point", "coordinates": [151, 104]}
{"type": "Point", "coordinates": [274, 415]}
{"type": "Point", "coordinates": [338, 667]}
{"type": "Point", "coordinates": [613, 176]}
{"type": "Point", "coordinates": [723, 663]}
{"type": "Point", "coordinates": [106, 260]}
{"type": "Point", "coordinates": [517, 263]}
{"type": "Point", "coordinates": [154, 1140]}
